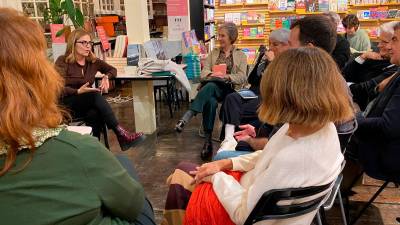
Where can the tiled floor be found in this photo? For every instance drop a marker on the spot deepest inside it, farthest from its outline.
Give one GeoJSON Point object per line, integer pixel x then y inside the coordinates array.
{"type": "Point", "coordinates": [157, 157]}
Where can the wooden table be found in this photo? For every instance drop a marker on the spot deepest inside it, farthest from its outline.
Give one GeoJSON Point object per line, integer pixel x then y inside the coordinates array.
{"type": "Point", "coordinates": [143, 99]}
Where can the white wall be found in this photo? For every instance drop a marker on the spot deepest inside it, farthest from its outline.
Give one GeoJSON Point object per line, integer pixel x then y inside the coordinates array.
{"type": "Point", "coordinates": [16, 4]}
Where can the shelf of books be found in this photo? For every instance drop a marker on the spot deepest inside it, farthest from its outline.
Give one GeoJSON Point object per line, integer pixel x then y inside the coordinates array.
{"type": "Point", "coordinates": [373, 13]}
{"type": "Point", "coordinates": [257, 18]}
{"type": "Point", "coordinates": [251, 18]}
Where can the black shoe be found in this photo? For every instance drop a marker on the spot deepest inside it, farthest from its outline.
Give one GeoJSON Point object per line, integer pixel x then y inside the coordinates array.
{"type": "Point", "coordinates": [207, 151]}
{"type": "Point", "coordinates": [179, 126]}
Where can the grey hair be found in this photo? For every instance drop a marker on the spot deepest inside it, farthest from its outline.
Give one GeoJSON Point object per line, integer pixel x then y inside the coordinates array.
{"type": "Point", "coordinates": [280, 35]}
{"type": "Point", "coordinates": [334, 17]}
{"type": "Point", "coordinates": [231, 29]}
{"type": "Point", "coordinates": [388, 27]}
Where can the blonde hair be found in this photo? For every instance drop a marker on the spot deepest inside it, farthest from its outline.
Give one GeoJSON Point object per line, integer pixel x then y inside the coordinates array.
{"type": "Point", "coordinates": [29, 84]}
{"type": "Point", "coordinates": [70, 51]}
{"type": "Point", "coordinates": [304, 86]}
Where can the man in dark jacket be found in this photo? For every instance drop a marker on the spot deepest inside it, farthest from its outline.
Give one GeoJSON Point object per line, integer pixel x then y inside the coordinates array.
{"type": "Point", "coordinates": [371, 64]}
{"type": "Point", "coordinates": [341, 53]}
{"type": "Point", "coordinates": [376, 143]}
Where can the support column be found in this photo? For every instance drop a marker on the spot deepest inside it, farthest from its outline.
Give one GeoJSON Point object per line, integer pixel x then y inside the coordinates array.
{"type": "Point", "coordinates": [137, 25]}
{"type": "Point", "coordinates": [137, 21]}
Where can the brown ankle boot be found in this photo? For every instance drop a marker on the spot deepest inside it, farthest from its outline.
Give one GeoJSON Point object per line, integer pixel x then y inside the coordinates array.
{"type": "Point", "coordinates": [127, 139]}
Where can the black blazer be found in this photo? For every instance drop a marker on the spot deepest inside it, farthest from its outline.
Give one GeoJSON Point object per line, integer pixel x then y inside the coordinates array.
{"type": "Point", "coordinates": [364, 92]}
{"type": "Point", "coordinates": [379, 133]}
{"type": "Point", "coordinates": [357, 73]}
{"type": "Point", "coordinates": [341, 53]}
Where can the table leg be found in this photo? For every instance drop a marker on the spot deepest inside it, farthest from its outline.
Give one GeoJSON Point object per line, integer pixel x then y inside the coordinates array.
{"type": "Point", "coordinates": [144, 106]}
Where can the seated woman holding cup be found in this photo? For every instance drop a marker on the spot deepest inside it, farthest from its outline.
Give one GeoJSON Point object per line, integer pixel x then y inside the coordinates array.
{"type": "Point", "coordinates": [302, 89]}
{"type": "Point", "coordinates": [224, 71]}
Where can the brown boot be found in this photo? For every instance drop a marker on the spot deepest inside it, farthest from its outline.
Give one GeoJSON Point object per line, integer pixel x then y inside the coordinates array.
{"type": "Point", "coordinates": [127, 139]}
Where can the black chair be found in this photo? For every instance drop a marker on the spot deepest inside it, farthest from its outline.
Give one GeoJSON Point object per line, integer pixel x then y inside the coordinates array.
{"type": "Point", "coordinates": [104, 130]}
{"type": "Point", "coordinates": [383, 177]}
{"type": "Point", "coordinates": [269, 207]}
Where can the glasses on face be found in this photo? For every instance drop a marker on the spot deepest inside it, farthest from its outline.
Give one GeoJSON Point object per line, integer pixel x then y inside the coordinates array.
{"type": "Point", "coordinates": [86, 43]}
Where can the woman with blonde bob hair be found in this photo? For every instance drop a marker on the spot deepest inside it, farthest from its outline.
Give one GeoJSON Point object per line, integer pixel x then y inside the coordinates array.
{"type": "Point", "coordinates": [79, 67]}
{"type": "Point", "coordinates": [302, 89]}
{"type": "Point", "coordinates": [49, 175]}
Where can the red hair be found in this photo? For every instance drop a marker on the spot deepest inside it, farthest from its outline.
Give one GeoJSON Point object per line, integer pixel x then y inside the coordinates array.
{"type": "Point", "coordinates": [29, 84]}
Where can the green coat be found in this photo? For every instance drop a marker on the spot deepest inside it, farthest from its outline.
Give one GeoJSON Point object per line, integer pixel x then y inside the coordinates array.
{"type": "Point", "coordinates": [70, 180]}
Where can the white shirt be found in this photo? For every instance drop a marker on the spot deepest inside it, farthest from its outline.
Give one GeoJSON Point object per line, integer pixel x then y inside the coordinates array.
{"type": "Point", "coordinates": [284, 163]}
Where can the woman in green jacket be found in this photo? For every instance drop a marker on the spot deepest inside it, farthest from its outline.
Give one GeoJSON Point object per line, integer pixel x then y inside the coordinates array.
{"type": "Point", "coordinates": [216, 85]}
{"type": "Point", "coordinates": [49, 175]}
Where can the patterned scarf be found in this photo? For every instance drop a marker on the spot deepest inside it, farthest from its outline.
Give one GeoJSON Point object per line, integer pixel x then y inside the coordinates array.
{"type": "Point", "coordinates": [40, 135]}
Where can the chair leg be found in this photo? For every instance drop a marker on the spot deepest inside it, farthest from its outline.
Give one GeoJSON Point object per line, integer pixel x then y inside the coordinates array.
{"type": "Point", "coordinates": [323, 216]}
{"type": "Point", "coordinates": [105, 135]}
{"type": "Point", "coordinates": [318, 216]}
{"type": "Point", "coordinates": [342, 208]}
{"type": "Point", "coordinates": [369, 202]}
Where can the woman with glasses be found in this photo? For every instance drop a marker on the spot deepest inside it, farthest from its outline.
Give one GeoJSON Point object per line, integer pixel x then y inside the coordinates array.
{"type": "Point", "coordinates": [79, 67]}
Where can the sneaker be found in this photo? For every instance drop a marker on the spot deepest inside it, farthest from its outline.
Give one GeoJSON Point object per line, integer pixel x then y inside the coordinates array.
{"type": "Point", "coordinates": [228, 144]}
{"type": "Point", "coordinates": [179, 126]}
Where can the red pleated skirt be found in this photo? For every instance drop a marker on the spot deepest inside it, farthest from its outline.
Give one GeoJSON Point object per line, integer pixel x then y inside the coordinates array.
{"type": "Point", "coordinates": [204, 207]}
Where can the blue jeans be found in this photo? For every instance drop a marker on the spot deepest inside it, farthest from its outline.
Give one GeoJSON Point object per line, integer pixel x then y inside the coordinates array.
{"type": "Point", "coordinates": [229, 154]}
{"type": "Point", "coordinates": [146, 217]}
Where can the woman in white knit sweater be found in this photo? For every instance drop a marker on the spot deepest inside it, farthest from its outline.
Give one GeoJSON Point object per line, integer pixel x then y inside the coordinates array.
{"type": "Point", "coordinates": [303, 90]}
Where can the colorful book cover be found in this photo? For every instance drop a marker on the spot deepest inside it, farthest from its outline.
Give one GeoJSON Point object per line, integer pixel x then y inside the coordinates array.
{"type": "Point", "coordinates": [244, 18]}
{"type": "Point", "coordinates": [54, 28]}
{"type": "Point", "coordinates": [236, 18]}
{"type": "Point", "coordinates": [272, 24]}
{"type": "Point", "coordinates": [260, 32]}
{"type": "Point", "coordinates": [374, 13]}
{"type": "Point", "coordinates": [333, 5]}
{"type": "Point", "coordinates": [342, 5]}
{"type": "Point", "coordinates": [273, 4]}
{"type": "Point", "coordinates": [310, 6]}
{"type": "Point", "coordinates": [382, 12]}
{"type": "Point", "coordinates": [246, 32]}
{"type": "Point", "coordinates": [278, 23]}
{"type": "Point", "coordinates": [133, 54]}
{"type": "Point", "coordinates": [392, 13]}
{"type": "Point", "coordinates": [300, 6]}
{"type": "Point", "coordinates": [323, 5]}
{"type": "Point", "coordinates": [253, 32]}
{"type": "Point", "coordinates": [291, 5]}
{"type": "Point", "coordinates": [283, 4]}
{"type": "Point", "coordinates": [286, 23]}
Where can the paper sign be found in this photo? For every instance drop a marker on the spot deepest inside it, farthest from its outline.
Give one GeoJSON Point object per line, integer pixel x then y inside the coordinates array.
{"type": "Point", "coordinates": [103, 37]}
{"type": "Point", "coordinates": [54, 28]}
{"type": "Point", "coordinates": [176, 26]}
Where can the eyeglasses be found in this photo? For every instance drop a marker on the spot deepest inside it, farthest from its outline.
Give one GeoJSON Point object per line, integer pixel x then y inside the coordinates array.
{"type": "Point", "coordinates": [85, 43]}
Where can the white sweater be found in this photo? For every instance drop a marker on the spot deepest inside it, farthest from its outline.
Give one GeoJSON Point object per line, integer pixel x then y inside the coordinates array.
{"type": "Point", "coordinates": [284, 163]}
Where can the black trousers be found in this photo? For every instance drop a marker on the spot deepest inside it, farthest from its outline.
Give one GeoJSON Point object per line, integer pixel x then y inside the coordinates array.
{"type": "Point", "coordinates": [146, 217]}
{"type": "Point", "coordinates": [236, 111]}
{"type": "Point", "coordinates": [93, 109]}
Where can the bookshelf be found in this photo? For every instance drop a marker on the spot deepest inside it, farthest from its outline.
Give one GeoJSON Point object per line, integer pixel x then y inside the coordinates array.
{"type": "Point", "coordinates": [250, 18]}
{"type": "Point", "coordinates": [202, 20]}
{"type": "Point", "coordinates": [373, 13]}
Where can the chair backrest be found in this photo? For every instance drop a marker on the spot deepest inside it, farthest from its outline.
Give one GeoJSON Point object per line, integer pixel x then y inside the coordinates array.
{"type": "Point", "coordinates": [345, 132]}
{"type": "Point", "coordinates": [269, 207]}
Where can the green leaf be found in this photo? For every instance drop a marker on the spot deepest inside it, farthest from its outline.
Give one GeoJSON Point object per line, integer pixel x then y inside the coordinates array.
{"type": "Point", "coordinates": [79, 18]}
{"type": "Point", "coordinates": [61, 32]}
{"type": "Point", "coordinates": [70, 9]}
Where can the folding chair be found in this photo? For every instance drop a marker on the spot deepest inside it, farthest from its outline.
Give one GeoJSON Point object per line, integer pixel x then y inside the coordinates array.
{"type": "Point", "coordinates": [269, 207]}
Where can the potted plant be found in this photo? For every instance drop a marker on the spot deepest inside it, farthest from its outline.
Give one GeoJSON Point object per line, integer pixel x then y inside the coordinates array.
{"type": "Point", "coordinates": [59, 10]}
